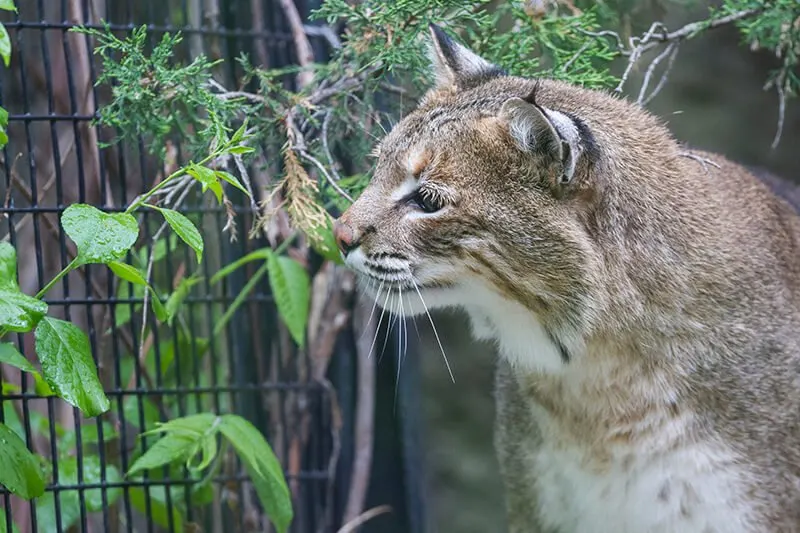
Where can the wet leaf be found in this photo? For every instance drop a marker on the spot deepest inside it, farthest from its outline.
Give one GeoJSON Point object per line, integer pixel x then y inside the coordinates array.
{"type": "Point", "coordinates": [19, 469]}
{"type": "Point", "coordinates": [68, 367]}
{"type": "Point", "coordinates": [185, 230]}
{"type": "Point", "coordinates": [101, 237]}
{"type": "Point", "coordinates": [11, 356]}
{"type": "Point", "coordinates": [18, 312]}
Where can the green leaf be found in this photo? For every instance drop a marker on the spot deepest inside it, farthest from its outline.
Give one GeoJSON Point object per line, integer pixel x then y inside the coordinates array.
{"type": "Point", "coordinates": [170, 448]}
{"type": "Point", "coordinates": [263, 253]}
{"type": "Point", "coordinates": [101, 237]}
{"type": "Point", "coordinates": [127, 273]}
{"type": "Point", "coordinates": [323, 241]}
{"type": "Point", "coordinates": [263, 468]}
{"type": "Point", "coordinates": [8, 5]}
{"type": "Point", "coordinates": [179, 295]}
{"type": "Point", "coordinates": [18, 312]}
{"type": "Point", "coordinates": [233, 180]}
{"type": "Point", "coordinates": [216, 188]}
{"type": "Point", "coordinates": [158, 306]}
{"type": "Point", "coordinates": [70, 502]}
{"type": "Point", "coordinates": [291, 288]}
{"type": "Point", "coordinates": [41, 387]}
{"type": "Point", "coordinates": [5, 45]}
{"type": "Point", "coordinates": [207, 178]}
{"type": "Point", "coordinates": [11, 356]}
{"type": "Point", "coordinates": [19, 469]}
{"type": "Point", "coordinates": [184, 228]}
{"type": "Point", "coordinates": [240, 150]}
{"type": "Point", "coordinates": [3, 117]}
{"type": "Point", "coordinates": [68, 442]}
{"type": "Point", "coordinates": [68, 367]}
{"type": "Point", "coordinates": [3, 520]}
{"type": "Point", "coordinates": [158, 508]}
{"type": "Point", "coordinates": [183, 439]}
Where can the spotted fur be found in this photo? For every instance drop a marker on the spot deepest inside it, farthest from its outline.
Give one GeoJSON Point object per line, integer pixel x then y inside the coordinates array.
{"type": "Point", "coordinates": [645, 300]}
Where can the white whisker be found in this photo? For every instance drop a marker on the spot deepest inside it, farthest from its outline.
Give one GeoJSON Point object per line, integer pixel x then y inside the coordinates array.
{"type": "Point", "coordinates": [389, 330]}
{"type": "Point", "coordinates": [436, 333]}
{"type": "Point", "coordinates": [374, 305]}
{"type": "Point", "coordinates": [380, 320]}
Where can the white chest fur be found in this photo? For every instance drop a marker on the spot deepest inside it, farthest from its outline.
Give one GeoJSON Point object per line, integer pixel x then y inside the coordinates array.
{"type": "Point", "coordinates": [664, 483]}
{"type": "Point", "coordinates": [697, 489]}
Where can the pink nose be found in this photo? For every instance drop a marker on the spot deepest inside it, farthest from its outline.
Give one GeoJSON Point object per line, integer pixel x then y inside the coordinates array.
{"type": "Point", "coordinates": [345, 236]}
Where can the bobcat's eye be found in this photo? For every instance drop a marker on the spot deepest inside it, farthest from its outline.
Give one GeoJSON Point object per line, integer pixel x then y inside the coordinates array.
{"type": "Point", "coordinates": [426, 200]}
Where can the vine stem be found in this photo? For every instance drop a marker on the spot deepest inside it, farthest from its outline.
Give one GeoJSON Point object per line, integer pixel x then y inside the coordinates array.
{"type": "Point", "coordinates": [140, 201]}
{"type": "Point", "coordinates": [69, 268]}
{"type": "Point", "coordinates": [249, 286]}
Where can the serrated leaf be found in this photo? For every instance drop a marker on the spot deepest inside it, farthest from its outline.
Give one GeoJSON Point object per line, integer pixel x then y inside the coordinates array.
{"type": "Point", "coordinates": [291, 289]}
{"type": "Point", "coordinates": [18, 312]}
{"type": "Point", "coordinates": [68, 367]}
{"type": "Point", "coordinates": [127, 273]}
{"type": "Point", "coordinates": [8, 5]}
{"type": "Point", "coordinates": [263, 468]}
{"type": "Point", "coordinates": [207, 178]}
{"type": "Point", "coordinates": [168, 449]}
{"type": "Point", "coordinates": [183, 439]}
{"type": "Point", "coordinates": [101, 237]}
{"type": "Point", "coordinates": [19, 469]}
{"type": "Point", "coordinates": [185, 230]}
{"type": "Point", "coordinates": [233, 180]}
{"type": "Point", "coordinates": [11, 356]}
{"type": "Point", "coordinates": [5, 45]}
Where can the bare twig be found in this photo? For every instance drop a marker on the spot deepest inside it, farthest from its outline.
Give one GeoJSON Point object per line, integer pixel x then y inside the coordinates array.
{"type": "Point", "coordinates": [365, 414]}
{"type": "Point", "coordinates": [702, 160]}
{"type": "Point", "coordinates": [325, 32]}
{"type": "Point", "coordinates": [305, 54]}
{"type": "Point", "coordinates": [332, 182]}
{"type": "Point", "coordinates": [366, 516]}
{"type": "Point", "coordinates": [671, 50]}
{"type": "Point", "coordinates": [657, 35]}
{"type": "Point", "coordinates": [780, 87]}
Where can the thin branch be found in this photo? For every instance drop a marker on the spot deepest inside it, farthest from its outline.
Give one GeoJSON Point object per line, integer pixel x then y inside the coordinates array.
{"type": "Point", "coordinates": [780, 87]}
{"type": "Point", "coordinates": [671, 50]}
{"type": "Point", "coordinates": [305, 54]}
{"type": "Point", "coordinates": [657, 35]}
{"type": "Point", "coordinates": [365, 517]}
{"type": "Point", "coordinates": [365, 414]}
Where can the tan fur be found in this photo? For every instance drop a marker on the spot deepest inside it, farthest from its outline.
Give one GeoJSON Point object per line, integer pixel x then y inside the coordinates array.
{"type": "Point", "coordinates": [671, 278]}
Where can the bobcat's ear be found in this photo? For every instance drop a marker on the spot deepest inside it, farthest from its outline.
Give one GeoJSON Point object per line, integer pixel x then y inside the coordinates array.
{"type": "Point", "coordinates": [535, 128]}
{"type": "Point", "coordinates": [455, 65]}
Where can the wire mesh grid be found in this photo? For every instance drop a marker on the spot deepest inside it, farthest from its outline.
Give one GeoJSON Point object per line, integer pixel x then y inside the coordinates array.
{"type": "Point", "coordinates": [56, 157]}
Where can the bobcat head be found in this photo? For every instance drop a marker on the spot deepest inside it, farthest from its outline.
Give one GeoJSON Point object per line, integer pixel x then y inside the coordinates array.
{"type": "Point", "coordinates": [534, 205]}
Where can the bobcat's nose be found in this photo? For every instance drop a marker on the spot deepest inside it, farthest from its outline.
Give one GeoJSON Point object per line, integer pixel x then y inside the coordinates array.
{"type": "Point", "coordinates": [346, 237]}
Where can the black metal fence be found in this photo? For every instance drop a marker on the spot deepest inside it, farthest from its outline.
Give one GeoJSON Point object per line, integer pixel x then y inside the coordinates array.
{"type": "Point", "coordinates": [56, 157]}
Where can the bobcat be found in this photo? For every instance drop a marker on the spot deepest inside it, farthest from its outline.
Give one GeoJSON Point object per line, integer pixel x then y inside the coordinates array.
{"type": "Point", "coordinates": [645, 300]}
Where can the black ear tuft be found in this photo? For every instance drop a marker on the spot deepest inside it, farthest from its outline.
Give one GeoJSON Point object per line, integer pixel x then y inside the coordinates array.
{"type": "Point", "coordinates": [456, 65]}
